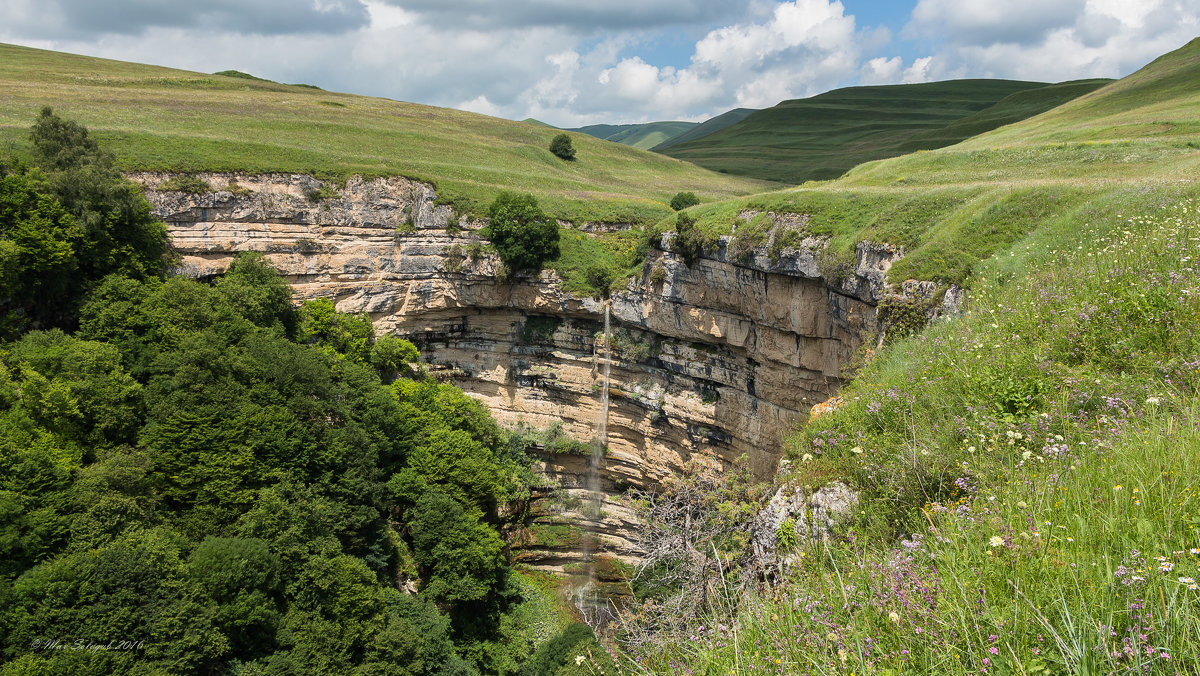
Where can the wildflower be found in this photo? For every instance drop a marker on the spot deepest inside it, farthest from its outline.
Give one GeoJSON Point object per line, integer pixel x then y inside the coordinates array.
{"type": "Point", "coordinates": [895, 617]}
{"type": "Point", "coordinates": [1027, 455]}
{"type": "Point", "coordinates": [1153, 401]}
{"type": "Point", "coordinates": [807, 457]}
{"type": "Point", "coordinates": [857, 450]}
{"type": "Point", "coordinates": [1195, 551]}
{"type": "Point", "coordinates": [996, 541]}
{"type": "Point", "coordinates": [1186, 580]}
{"type": "Point", "coordinates": [579, 659]}
{"type": "Point", "coordinates": [1166, 567]}
{"type": "Point", "coordinates": [1021, 504]}
{"type": "Point", "coordinates": [1118, 487]}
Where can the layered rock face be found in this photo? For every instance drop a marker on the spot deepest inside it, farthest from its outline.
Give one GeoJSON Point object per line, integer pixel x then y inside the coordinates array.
{"type": "Point", "coordinates": [710, 363]}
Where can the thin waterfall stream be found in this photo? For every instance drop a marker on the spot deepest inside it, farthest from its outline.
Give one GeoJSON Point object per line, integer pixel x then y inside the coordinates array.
{"type": "Point", "coordinates": [587, 598]}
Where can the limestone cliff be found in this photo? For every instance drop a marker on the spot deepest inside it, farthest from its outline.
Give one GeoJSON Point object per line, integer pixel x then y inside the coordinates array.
{"type": "Point", "coordinates": [714, 362]}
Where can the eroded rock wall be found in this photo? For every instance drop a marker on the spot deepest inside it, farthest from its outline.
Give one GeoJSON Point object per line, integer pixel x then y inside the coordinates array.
{"type": "Point", "coordinates": [713, 362]}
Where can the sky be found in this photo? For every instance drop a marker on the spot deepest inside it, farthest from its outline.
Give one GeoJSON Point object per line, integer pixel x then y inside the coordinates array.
{"type": "Point", "coordinates": [577, 62]}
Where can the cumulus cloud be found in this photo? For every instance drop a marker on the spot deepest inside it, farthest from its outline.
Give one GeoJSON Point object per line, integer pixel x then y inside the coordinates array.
{"type": "Point", "coordinates": [1051, 39]}
{"type": "Point", "coordinates": [571, 63]}
{"type": "Point", "coordinates": [994, 21]}
{"type": "Point", "coordinates": [74, 19]}
{"type": "Point", "coordinates": [803, 47]}
{"type": "Point", "coordinates": [585, 17]}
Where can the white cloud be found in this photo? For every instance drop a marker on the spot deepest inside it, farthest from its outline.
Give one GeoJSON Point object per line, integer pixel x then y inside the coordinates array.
{"type": "Point", "coordinates": [572, 63]}
{"type": "Point", "coordinates": [1052, 40]}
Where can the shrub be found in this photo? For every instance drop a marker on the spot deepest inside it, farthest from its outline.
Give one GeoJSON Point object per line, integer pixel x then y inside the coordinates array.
{"type": "Point", "coordinates": [524, 237]}
{"type": "Point", "coordinates": [684, 200]}
{"type": "Point", "coordinates": [561, 146]}
{"type": "Point", "coordinates": [186, 183]}
{"type": "Point", "coordinates": [600, 278]}
{"type": "Point", "coordinates": [689, 243]}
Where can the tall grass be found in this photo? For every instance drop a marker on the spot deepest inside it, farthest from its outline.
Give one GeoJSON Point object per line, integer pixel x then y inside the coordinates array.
{"type": "Point", "coordinates": [1029, 474]}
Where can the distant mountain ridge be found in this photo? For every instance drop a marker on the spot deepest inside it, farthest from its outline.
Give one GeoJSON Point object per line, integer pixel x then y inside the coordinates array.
{"type": "Point", "coordinates": [644, 136]}
{"type": "Point", "coordinates": [707, 127]}
{"type": "Point", "coordinates": [823, 136]}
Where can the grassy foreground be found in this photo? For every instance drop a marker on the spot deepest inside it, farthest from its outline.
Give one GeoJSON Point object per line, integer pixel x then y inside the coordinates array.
{"type": "Point", "coordinates": [1027, 470]}
{"type": "Point", "coordinates": [1030, 502]}
{"type": "Point", "coordinates": [167, 119]}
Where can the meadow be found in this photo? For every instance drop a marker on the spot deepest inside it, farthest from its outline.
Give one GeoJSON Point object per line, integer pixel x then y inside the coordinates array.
{"type": "Point", "coordinates": [157, 118]}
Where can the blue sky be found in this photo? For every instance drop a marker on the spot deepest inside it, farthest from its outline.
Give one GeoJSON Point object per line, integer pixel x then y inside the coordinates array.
{"type": "Point", "coordinates": [571, 63]}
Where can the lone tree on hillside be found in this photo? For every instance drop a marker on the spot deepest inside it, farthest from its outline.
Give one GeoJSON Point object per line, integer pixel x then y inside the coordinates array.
{"type": "Point", "coordinates": [561, 146]}
{"type": "Point", "coordinates": [524, 237]}
{"type": "Point", "coordinates": [684, 200]}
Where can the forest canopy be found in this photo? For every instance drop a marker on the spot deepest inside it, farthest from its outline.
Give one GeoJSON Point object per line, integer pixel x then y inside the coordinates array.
{"type": "Point", "coordinates": [229, 482]}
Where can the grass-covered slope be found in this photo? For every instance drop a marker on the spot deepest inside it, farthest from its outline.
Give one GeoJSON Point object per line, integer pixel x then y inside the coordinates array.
{"type": "Point", "coordinates": [161, 118]}
{"type": "Point", "coordinates": [1027, 470]}
{"type": "Point", "coordinates": [953, 207]}
{"type": "Point", "coordinates": [1012, 108]}
{"type": "Point", "coordinates": [707, 127]}
{"type": "Point", "coordinates": [822, 136]}
{"type": "Point", "coordinates": [644, 136]}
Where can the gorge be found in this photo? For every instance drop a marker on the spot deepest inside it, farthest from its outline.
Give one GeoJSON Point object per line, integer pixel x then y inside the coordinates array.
{"type": "Point", "coordinates": [711, 363]}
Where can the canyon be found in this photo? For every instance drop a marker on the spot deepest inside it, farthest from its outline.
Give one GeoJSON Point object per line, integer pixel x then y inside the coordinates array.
{"type": "Point", "coordinates": [711, 364]}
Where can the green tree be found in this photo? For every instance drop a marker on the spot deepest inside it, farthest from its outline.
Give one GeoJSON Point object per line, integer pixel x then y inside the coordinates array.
{"type": "Point", "coordinates": [67, 224]}
{"type": "Point", "coordinates": [684, 200]}
{"type": "Point", "coordinates": [561, 146]}
{"type": "Point", "coordinates": [392, 356]}
{"type": "Point", "coordinates": [462, 555]}
{"type": "Point", "coordinates": [258, 292]}
{"type": "Point", "coordinates": [342, 335]}
{"type": "Point", "coordinates": [523, 235]}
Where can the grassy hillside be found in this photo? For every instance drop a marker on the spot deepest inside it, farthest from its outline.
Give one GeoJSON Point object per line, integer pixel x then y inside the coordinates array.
{"type": "Point", "coordinates": [1010, 109]}
{"type": "Point", "coordinates": [1026, 469]}
{"type": "Point", "coordinates": [644, 136]}
{"type": "Point", "coordinates": [822, 136]}
{"type": "Point", "coordinates": [161, 118]}
{"type": "Point", "coordinates": [707, 127]}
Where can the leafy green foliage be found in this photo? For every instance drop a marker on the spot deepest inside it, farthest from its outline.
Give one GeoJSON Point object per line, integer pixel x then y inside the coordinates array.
{"type": "Point", "coordinates": [562, 148]}
{"type": "Point", "coordinates": [232, 483]}
{"type": "Point", "coordinates": [525, 238]}
{"type": "Point", "coordinates": [65, 225]}
{"type": "Point", "coordinates": [684, 200]}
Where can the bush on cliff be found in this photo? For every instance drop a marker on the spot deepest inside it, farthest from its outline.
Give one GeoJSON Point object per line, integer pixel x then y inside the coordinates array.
{"type": "Point", "coordinates": [523, 235]}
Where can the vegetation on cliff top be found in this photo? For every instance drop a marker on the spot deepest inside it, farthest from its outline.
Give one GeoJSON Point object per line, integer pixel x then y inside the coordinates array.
{"type": "Point", "coordinates": [157, 118]}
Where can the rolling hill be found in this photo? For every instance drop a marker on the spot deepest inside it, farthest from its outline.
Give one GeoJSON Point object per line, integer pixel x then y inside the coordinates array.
{"type": "Point", "coordinates": [823, 136]}
{"type": "Point", "coordinates": [644, 136]}
{"type": "Point", "coordinates": [167, 119]}
{"type": "Point", "coordinates": [707, 127]}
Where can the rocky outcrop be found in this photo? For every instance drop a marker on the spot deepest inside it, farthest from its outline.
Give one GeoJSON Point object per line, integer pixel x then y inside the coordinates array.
{"type": "Point", "coordinates": [715, 361]}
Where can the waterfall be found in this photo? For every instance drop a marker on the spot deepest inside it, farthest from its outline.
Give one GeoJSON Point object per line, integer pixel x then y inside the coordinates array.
{"type": "Point", "coordinates": [586, 597]}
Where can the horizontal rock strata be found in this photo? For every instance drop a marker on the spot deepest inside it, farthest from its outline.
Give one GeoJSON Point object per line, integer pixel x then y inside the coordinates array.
{"type": "Point", "coordinates": [715, 361]}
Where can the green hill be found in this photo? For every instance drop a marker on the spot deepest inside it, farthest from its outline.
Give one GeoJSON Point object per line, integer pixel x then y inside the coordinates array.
{"type": "Point", "coordinates": [823, 136]}
{"type": "Point", "coordinates": [162, 118]}
{"type": "Point", "coordinates": [1024, 468]}
{"type": "Point", "coordinates": [707, 127]}
{"type": "Point", "coordinates": [1010, 109]}
{"type": "Point", "coordinates": [644, 136]}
